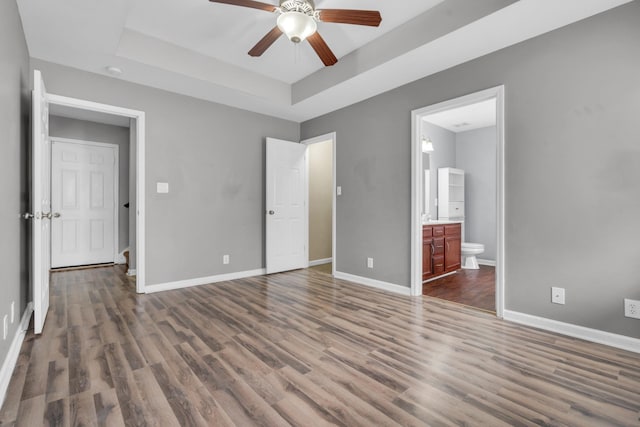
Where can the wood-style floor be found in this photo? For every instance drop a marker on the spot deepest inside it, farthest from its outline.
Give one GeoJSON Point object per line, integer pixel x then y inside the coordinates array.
{"type": "Point", "coordinates": [476, 288]}
{"type": "Point", "coordinates": [302, 349]}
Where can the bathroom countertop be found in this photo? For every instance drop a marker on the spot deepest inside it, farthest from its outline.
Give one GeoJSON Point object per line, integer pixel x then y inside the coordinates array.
{"type": "Point", "coordinates": [442, 221]}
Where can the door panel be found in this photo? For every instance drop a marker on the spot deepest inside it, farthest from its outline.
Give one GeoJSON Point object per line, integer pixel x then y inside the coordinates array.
{"type": "Point", "coordinates": [83, 192]}
{"type": "Point", "coordinates": [286, 196]}
{"type": "Point", "coordinates": [40, 202]}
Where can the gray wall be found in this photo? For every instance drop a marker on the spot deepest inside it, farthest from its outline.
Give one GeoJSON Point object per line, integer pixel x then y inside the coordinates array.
{"type": "Point", "coordinates": [476, 155]}
{"type": "Point", "coordinates": [64, 127]}
{"type": "Point", "coordinates": [213, 158]}
{"type": "Point", "coordinates": [14, 141]}
{"type": "Point", "coordinates": [572, 169]}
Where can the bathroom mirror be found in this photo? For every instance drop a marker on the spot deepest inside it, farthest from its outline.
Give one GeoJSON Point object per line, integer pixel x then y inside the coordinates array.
{"type": "Point", "coordinates": [426, 210]}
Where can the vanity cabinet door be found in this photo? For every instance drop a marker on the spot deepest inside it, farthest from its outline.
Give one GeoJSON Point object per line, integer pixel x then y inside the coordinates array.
{"type": "Point", "coordinates": [452, 253]}
{"type": "Point", "coordinates": [427, 254]}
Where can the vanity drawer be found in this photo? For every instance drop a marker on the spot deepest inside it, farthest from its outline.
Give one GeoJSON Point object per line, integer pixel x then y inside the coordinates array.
{"type": "Point", "coordinates": [438, 246]}
{"type": "Point", "coordinates": [427, 231]}
{"type": "Point", "coordinates": [438, 264]}
{"type": "Point", "coordinates": [452, 230]}
{"type": "Point", "coordinates": [438, 231]}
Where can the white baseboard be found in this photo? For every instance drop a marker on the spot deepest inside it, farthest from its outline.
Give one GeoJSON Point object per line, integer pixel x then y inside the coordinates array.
{"type": "Point", "coordinates": [180, 284]}
{"type": "Point", "coordinates": [131, 272]}
{"type": "Point", "coordinates": [588, 334]}
{"type": "Point", "coordinates": [320, 262]}
{"type": "Point", "coordinates": [490, 263]}
{"type": "Point", "coordinates": [385, 286]}
{"type": "Point", "coordinates": [14, 351]}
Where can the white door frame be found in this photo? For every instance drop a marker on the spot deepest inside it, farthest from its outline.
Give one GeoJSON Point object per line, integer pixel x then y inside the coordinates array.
{"type": "Point", "coordinates": [324, 138]}
{"type": "Point", "coordinates": [139, 117]}
{"type": "Point", "coordinates": [417, 192]}
{"type": "Point", "coordinates": [116, 184]}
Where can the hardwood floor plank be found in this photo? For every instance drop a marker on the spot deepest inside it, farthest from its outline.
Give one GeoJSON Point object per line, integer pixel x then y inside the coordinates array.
{"type": "Point", "coordinates": [154, 397]}
{"type": "Point", "coordinates": [302, 348]}
{"type": "Point", "coordinates": [58, 380]}
{"type": "Point", "coordinates": [82, 411]}
{"type": "Point", "coordinates": [107, 409]}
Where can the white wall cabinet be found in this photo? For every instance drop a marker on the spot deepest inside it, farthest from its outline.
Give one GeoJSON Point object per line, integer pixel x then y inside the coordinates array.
{"type": "Point", "coordinates": [450, 194]}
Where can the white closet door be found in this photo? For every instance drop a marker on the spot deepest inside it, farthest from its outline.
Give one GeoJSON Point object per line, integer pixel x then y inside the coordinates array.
{"type": "Point", "coordinates": [83, 193]}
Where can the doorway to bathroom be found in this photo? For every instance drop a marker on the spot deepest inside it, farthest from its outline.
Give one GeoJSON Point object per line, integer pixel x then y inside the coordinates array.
{"type": "Point", "coordinates": [458, 200]}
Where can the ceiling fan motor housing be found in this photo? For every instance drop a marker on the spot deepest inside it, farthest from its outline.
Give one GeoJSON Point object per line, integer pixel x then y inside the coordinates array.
{"type": "Point", "coordinates": [305, 6]}
{"type": "Point", "coordinates": [297, 19]}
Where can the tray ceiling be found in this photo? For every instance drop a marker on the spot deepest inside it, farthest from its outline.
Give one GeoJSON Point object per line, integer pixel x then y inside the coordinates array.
{"type": "Point", "coordinates": [199, 48]}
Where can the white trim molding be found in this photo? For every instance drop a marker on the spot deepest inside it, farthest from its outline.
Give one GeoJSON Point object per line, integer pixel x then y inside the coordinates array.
{"type": "Point", "coordinates": [14, 351]}
{"type": "Point", "coordinates": [332, 136]}
{"type": "Point", "coordinates": [372, 283]}
{"type": "Point", "coordinates": [594, 335]}
{"type": "Point", "coordinates": [181, 284]}
{"type": "Point", "coordinates": [139, 118]}
{"type": "Point", "coordinates": [131, 272]}
{"type": "Point", "coordinates": [488, 262]}
{"type": "Point", "coordinates": [417, 190]}
{"type": "Point", "coordinates": [320, 262]}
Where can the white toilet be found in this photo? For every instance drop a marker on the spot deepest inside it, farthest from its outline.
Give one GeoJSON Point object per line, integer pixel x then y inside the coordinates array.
{"type": "Point", "coordinates": [469, 252]}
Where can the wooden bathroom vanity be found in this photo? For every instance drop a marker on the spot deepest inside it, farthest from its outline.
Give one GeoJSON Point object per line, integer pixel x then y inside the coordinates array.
{"type": "Point", "coordinates": [441, 245]}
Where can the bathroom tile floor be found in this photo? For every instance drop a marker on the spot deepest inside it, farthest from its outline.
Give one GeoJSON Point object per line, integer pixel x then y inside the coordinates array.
{"type": "Point", "coordinates": [475, 288]}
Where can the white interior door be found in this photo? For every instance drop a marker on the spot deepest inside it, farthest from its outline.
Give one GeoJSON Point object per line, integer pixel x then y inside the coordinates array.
{"type": "Point", "coordinates": [40, 202]}
{"type": "Point", "coordinates": [287, 207]}
{"type": "Point", "coordinates": [84, 195]}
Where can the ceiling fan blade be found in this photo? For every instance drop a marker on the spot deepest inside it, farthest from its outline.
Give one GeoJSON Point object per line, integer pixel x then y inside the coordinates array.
{"type": "Point", "coordinates": [322, 49]}
{"type": "Point", "coordinates": [371, 18]}
{"type": "Point", "coordinates": [266, 42]}
{"type": "Point", "coordinates": [248, 3]}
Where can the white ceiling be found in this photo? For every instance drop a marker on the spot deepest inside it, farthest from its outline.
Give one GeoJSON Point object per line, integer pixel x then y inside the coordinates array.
{"type": "Point", "coordinates": [227, 32]}
{"type": "Point", "coordinates": [198, 48]}
{"type": "Point", "coordinates": [469, 117]}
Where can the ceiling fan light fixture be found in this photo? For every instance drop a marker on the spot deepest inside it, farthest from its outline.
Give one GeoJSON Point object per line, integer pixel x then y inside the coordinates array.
{"type": "Point", "coordinates": [297, 26]}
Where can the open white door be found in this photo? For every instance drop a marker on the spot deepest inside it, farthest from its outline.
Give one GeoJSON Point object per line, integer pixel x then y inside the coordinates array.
{"type": "Point", "coordinates": [287, 207]}
{"type": "Point", "coordinates": [40, 202]}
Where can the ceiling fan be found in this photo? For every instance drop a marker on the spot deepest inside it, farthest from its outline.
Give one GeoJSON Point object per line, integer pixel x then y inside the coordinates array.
{"type": "Point", "coordinates": [298, 21]}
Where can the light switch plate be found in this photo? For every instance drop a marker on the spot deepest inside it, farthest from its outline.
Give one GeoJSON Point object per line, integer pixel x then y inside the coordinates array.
{"type": "Point", "coordinates": [339, 191]}
{"type": "Point", "coordinates": [162, 187]}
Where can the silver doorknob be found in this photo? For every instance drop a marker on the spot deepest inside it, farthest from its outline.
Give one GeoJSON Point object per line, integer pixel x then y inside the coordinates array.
{"type": "Point", "coordinates": [272, 213]}
{"type": "Point", "coordinates": [27, 215]}
{"type": "Point", "coordinates": [56, 214]}
{"type": "Point", "coordinates": [46, 215]}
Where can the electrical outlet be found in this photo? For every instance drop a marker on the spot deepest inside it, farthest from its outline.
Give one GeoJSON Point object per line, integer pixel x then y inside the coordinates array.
{"type": "Point", "coordinates": [369, 262]}
{"type": "Point", "coordinates": [5, 328]}
{"type": "Point", "coordinates": [557, 295]}
{"type": "Point", "coordinates": [13, 311]}
{"type": "Point", "coordinates": [632, 308]}
{"type": "Point", "coordinates": [225, 259]}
